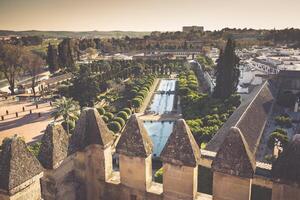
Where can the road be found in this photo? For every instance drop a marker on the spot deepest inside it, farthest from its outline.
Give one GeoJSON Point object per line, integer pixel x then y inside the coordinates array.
{"type": "Point", "coordinates": [26, 125]}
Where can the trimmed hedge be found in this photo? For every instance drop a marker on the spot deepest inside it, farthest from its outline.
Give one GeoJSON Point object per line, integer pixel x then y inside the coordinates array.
{"type": "Point", "coordinates": [101, 111]}
{"type": "Point", "coordinates": [123, 115]}
{"type": "Point", "coordinates": [127, 110]}
{"type": "Point", "coordinates": [109, 115]}
{"type": "Point", "coordinates": [137, 102]}
{"type": "Point", "coordinates": [142, 94]}
{"type": "Point", "coordinates": [114, 126]}
{"type": "Point", "coordinates": [105, 119]}
{"type": "Point", "coordinates": [120, 120]}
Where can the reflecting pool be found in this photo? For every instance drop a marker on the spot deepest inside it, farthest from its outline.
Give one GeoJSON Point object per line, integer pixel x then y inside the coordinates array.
{"type": "Point", "coordinates": [163, 101]}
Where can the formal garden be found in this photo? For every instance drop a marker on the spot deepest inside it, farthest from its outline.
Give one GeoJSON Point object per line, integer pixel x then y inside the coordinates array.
{"type": "Point", "coordinates": [121, 104]}
{"type": "Point", "coordinates": [204, 114]}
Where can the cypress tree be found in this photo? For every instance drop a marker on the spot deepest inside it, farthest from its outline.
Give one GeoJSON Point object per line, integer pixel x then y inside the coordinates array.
{"type": "Point", "coordinates": [52, 58]}
{"type": "Point", "coordinates": [227, 72]}
{"type": "Point", "coordinates": [66, 53]}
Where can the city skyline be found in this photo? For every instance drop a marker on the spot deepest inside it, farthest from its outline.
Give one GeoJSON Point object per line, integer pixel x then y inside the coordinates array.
{"type": "Point", "coordinates": [155, 15]}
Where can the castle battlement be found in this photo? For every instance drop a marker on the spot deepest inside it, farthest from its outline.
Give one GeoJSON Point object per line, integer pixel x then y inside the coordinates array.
{"type": "Point", "coordinates": [81, 166]}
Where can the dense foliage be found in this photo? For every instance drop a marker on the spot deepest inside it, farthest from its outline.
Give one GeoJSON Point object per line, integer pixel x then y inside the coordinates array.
{"type": "Point", "coordinates": [69, 110]}
{"type": "Point", "coordinates": [67, 53]}
{"type": "Point", "coordinates": [119, 101]}
{"type": "Point", "coordinates": [204, 114]}
{"type": "Point", "coordinates": [84, 88]}
{"type": "Point", "coordinates": [52, 59]}
{"type": "Point", "coordinates": [17, 60]}
{"type": "Point", "coordinates": [283, 121]}
{"type": "Point", "coordinates": [114, 126]}
{"type": "Point", "coordinates": [34, 148]}
{"type": "Point", "coordinates": [206, 62]}
{"type": "Point", "coordinates": [158, 176]}
{"type": "Point", "coordinates": [227, 72]}
{"type": "Point", "coordinates": [27, 40]}
{"type": "Point", "coordinates": [278, 136]}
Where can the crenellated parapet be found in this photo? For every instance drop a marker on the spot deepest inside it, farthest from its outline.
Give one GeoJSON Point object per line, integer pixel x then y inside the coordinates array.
{"type": "Point", "coordinates": [80, 167]}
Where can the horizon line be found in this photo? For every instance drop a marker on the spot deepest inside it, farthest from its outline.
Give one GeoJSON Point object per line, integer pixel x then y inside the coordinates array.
{"type": "Point", "coordinates": [47, 30]}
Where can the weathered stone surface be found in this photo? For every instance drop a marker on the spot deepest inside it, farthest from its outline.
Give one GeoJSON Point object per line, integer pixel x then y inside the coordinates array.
{"type": "Point", "coordinates": [231, 187]}
{"type": "Point", "coordinates": [287, 167]}
{"type": "Point", "coordinates": [134, 140]}
{"type": "Point", "coordinates": [181, 147]}
{"type": "Point", "coordinates": [90, 129]}
{"type": "Point", "coordinates": [54, 147]}
{"type": "Point", "coordinates": [234, 156]}
{"type": "Point", "coordinates": [17, 164]}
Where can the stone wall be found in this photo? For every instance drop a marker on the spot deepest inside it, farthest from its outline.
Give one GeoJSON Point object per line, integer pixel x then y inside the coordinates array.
{"type": "Point", "coordinates": [29, 190]}
{"type": "Point", "coordinates": [60, 183]}
{"type": "Point", "coordinates": [227, 187]}
{"type": "Point", "coordinates": [285, 192]}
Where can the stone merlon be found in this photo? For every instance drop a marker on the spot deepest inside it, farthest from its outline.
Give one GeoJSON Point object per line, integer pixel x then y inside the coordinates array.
{"type": "Point", "coordinates": [181, 147]}
{"type": "Point", "coordinates": [134, 140]}
{"type": "Point", "coordinates": [234, 156]}
{"type": "Point", "coordinates": [90, 129]}
{"type": "Point", "coordinates": [54, 147]}
{"type": "Point", "coordinates": [17, 164]}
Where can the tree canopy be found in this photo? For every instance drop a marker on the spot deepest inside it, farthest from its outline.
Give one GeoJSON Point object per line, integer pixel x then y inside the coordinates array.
{"type": "Point", "coordinates": [227, 72]}
{"type": "Point", "coordinates": [85, 87]}
{"type": "Point", "coordinates": [52, 58]}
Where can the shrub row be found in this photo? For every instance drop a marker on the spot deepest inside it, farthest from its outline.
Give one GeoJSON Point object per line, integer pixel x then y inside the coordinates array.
{"type": "Point", "coordinates": [139, 90]}
{"type": "Point", "coordinates": [204, 114]}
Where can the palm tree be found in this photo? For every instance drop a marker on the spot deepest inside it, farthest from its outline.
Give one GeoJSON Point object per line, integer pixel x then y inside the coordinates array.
{"type": "Point", "coordinates": [66, 108]}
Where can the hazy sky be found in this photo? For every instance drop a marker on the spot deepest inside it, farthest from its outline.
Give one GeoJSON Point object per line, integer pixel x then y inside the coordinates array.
{"type": "Point", "coordinates": [146, 15]}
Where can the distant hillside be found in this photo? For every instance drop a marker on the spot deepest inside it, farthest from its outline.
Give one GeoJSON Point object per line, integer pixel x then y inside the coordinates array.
{"type": "Point", "coordinates": [62, 34]}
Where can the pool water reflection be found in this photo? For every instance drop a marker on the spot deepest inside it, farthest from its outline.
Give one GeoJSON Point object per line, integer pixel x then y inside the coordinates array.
{"type": "Point", "coordinates": [159, 133]}
{"type": "Point", "coordinates": [163, 101]}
